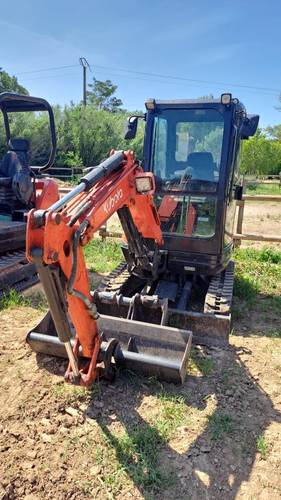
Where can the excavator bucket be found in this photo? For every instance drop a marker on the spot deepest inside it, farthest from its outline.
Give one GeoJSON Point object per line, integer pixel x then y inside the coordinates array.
{"type": "Point", "coordinates": [146, 348]}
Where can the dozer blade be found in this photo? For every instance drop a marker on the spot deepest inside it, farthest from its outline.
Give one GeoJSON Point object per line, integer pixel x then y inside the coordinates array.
{"type": "Point", "coordinates": [146, 348]}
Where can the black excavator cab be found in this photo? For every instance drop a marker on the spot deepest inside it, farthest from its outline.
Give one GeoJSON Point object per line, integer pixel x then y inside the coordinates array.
{"type": "Point", "coordinates": [17, 190]}
{"type": "Point", "coordinates": [16, 173]}
{"type": "Point", "coordinates": [192, 147]}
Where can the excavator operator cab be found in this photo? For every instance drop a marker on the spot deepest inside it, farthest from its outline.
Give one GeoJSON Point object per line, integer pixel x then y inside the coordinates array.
{"type": "Point", "coordinates": [16, 174]}
{"type": "Point", "coordinates": [192, 147]}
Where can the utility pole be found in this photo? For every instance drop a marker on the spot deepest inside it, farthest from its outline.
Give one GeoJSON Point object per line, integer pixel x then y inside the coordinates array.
{"type": "Point", "coordinates": [84, 63]}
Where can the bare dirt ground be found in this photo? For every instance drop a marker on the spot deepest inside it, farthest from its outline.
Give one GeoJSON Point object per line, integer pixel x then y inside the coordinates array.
{"type": "Point", "coordinates": [62, 442]}
{"type": "Point", "coordinates": [262, 218]}
{"type": "Point", "coordinates": [223, 436]}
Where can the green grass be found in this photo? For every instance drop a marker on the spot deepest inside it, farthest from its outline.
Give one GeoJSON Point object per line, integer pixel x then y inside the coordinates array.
{"type": "Point", "coordinates": [253, 189]}
{"type": "Point", "coordinates": [220, 424]}
{"type": "Point", "coordinates": [102, 256]}
{"type": "Point", "coordinates": [112, 474]}
{"type": "Point", "coordinates": [262, 446]}
{"type": "Point", "coordinates": [74, 181]}
{"type": "Point", "coordinates": [133, 454]}
{"type": "Point", "coordinates": [68, 393]}
{"type": "Point", "coordinates": [245, 287]}
{"type": "Point", "coordinates": [38, 300]}
{"type": "Point", "coordinates": [257, 288]}
{"type": "Point", "coordinates": [172, 414]}
{"type": "Point", "coordinates": [266, 254]}
{"type": "Point", "coordinates": [258, 272]}
{"type": "Point", "coordinates": [13, 299]}
{"type": "Point", "coordinates": [274, 333]}
{"type": "Point", "coordinates": [137, 449]}
{"type": "Point", "coordinates": [138, 452]}
{"type": "Point", "coordinates": [137, 455]}
{"type": "Point", "coordinates": [199, 363]}
{"type": "Point", "coordinates": [205, 365]}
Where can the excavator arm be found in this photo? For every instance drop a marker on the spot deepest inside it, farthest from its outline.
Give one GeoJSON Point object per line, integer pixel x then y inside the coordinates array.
{"type": "Point", "coordinates": [55, 240]}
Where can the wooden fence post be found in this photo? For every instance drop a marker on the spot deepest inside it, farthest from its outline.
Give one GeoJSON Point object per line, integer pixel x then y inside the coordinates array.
{"type": "Point", "coordinates": [103, 232]}
{"type": "Point", "coordinates": [241, 205]}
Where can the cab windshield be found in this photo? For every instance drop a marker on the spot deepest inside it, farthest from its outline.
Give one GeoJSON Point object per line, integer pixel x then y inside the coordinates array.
{"type": "Point", "coordinates": [186, 149]}
{"type": "Point", "coordinates": [186, 160]}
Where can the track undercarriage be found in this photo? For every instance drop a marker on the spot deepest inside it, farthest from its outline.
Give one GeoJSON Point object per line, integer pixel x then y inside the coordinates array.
{"type": "Point", "coordinates": [148, 333]}
{"type": "Point", "coordinates": [15, 271]}
{"type": "Point", "coordinates": [204, 307]}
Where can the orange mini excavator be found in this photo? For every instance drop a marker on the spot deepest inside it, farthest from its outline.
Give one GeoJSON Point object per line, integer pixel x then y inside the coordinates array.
{"type": "Point", "coordinates": [191, 172]}
{"type": "Point", "coordinates": [56, 236]}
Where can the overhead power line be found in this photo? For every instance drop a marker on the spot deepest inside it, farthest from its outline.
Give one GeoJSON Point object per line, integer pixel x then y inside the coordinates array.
{"type": "Point", "coordinates": [172, 77]}
{"type": "Point", "coordinates": [113, 74]}
{"type": "Point", "coordinates": [47, 77]}
{"type": "Point", "coordinates": [164, 78]}
{"type": "Point", "coordinates": [173, 82]}
{"type": "Point", "coordinates": [47, 69]}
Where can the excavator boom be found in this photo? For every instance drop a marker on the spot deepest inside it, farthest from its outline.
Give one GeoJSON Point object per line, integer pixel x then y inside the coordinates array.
{"type": "Point", "coordinates": [55, 241]}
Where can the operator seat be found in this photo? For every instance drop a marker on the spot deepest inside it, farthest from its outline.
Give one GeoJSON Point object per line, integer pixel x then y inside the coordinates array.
{"type": "Point", "coordinates": [15, 171]}
{"type": "Point", "coordinates": [203, 166]}
{"type": "Point", "coordinates": [15, 158]}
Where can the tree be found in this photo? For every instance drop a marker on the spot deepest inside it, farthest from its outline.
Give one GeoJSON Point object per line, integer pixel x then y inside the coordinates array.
{"type": "Point", "coordinates": [274, 132]}
{"type": "Point", "coordinates": [261, 156]}
{"type": "Point", "coordinates": [101, 95]}
{"type": "Point", "coordinates": [10, 83]}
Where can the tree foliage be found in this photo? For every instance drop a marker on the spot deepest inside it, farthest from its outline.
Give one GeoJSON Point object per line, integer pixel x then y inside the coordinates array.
{"type": "Point", "coordinates": [101, 95]}
{"type": "Point", "coordinates": [10, 83]}
{"type": "Point", "coordinates": [261, 156]}
{"type": "Point", "coordinates": [274, 132]}
{"type": "Point", "coordinates": [85, 136]}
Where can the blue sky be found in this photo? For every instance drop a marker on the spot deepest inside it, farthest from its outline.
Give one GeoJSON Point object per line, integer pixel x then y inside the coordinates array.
{"type": "Point", "coordinates": [224, 42]}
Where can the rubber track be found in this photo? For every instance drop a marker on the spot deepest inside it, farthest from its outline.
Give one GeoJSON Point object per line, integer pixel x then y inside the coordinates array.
{"type": "Point", "coordinates": [16, 272]}
{"type": "Point", "coordinates": [11, 258]}
{"type": "Point", "coordinates": [219, 296]}
{"type": "Point", "coordinates": [22, 285]}
{"type": "Point", "coordinates": [218, 299]}
{"type": "Point", "coordinates": [113, 281]}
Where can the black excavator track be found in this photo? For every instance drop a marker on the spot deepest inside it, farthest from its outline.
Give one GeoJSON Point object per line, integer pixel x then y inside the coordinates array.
{"type": "Point", "coordinates": [114, 280]}
{"type": "Point", "coordinates": [211, 326]}
{"type": "Point", "coordinates": [219, 295]}
{"type": "Point", "coordinates": [16, 272]}
{"type": "Point", "coordinates": [218, 299]}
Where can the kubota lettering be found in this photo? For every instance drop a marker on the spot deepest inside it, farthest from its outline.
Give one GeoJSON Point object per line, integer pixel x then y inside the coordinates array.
{"type": "Point", "coordinates": [112, 201]}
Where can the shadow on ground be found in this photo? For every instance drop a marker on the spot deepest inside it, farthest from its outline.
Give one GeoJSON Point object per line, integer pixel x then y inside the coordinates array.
{"type": "Point", "coordinates": [199, 440]}
{"type": "Point", "coordinates": [205, 462]}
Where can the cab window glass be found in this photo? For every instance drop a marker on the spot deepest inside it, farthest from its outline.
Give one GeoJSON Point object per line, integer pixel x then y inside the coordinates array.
{"type": "Point", "coordinates": [187, 215]}
{"type": "Point", "coordinates": [159, 153]}
{"type": "Point", "coordinates": [187, 146]}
